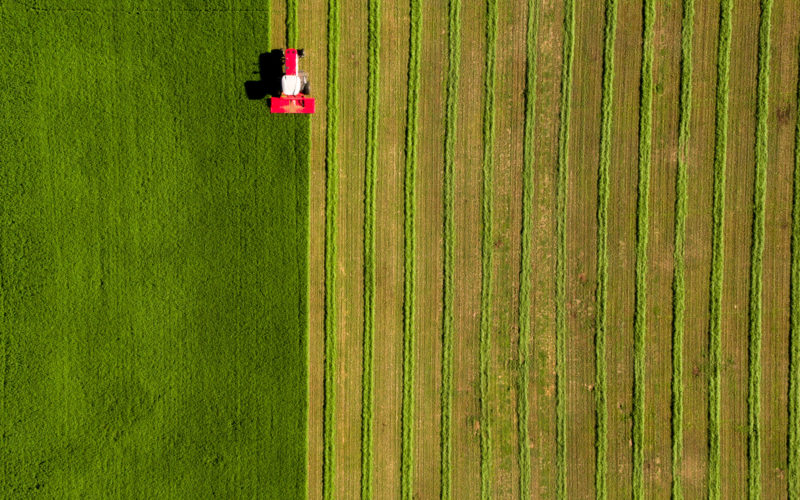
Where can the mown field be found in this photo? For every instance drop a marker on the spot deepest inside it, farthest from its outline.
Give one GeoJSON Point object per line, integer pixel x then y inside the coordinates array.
{"type": "Point", "coordinates": [153, 256]}
{"type": "Point", "coordinates": [554, 248]}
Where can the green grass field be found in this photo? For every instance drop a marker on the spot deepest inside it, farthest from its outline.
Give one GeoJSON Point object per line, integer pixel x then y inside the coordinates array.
{"type": "Point", "coordinates": [153, 258]}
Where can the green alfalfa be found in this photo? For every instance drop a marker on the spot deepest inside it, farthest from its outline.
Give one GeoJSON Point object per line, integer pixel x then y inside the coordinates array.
{"type": "Point", "coordinates": [561, 237]}
{"type": "Point", "coordinates": [331, 195]}
{"type": "Point", "coordinates": [486, 245]}
{"type": "Point", "coordinates": [451, 112]}
{"type": "Point", "coordinates": [525, 250]}
{"type": "Point", "coordinates": [373, 68]}
{"type": "Point", "coordinates": [717, 247]}
{"type": "Point", "coordinates": [642, 232]}
{"type": "Point", "coordinates": [756, 256]}
{"type": "Point", "coordinates": [679, 281]}
{"type": "Point", "coordinates": [601, 426]}
{"type": "Point", "coordinates": [409, 230]}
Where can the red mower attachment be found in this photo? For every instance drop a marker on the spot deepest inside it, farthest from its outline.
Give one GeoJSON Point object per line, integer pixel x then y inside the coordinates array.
{"type": "Point", "coordinates": [295, 87]}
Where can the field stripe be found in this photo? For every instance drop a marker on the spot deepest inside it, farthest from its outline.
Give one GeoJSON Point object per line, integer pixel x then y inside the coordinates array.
{"type": "Point", "coordinates": [528, 159]}
{"type": "Point", "coordinates": [601, 439]}
{"type": "Point", "coordinates": [409, 203]}
{"type": "Point", "coordinates": [291, 23]}
{"type": "Point", "coordinates": [642, 232]}
{"type": "Point", "coordinates": [331, 195]}
{"type": "Point", "coordinates": [486, 244]}
{"type": "Point", "coordinates": [561, 253]}
{"type": "Point", "coordinates": [794, 341]}
{"type": "Point", "coordinates": [756, 258]}
{"type": "Point", "coordinates": [717, 247]}
{"type": "Point", "coordinates": [368, 377]}
{"type": "Point", "coordinates": [678, 284]}
{"type": "Point", "coordinates": [451, 116]}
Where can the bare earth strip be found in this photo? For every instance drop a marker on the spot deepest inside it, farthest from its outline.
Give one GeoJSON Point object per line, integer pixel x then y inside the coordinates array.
{"type": "Point", "coordinates": [541, 386]}
{"type": "Point", "coordinates": [506, 214]}
{"type": "Point", "coordinates": [777, 248]}
{"type": "Point", "coordinates": [697, 256]}
{"type": "Point", "coordinates": [466, 299]}
{"type": "Point", "coordinates": [429, 254]}
{"type": "Point", "coordinates": [738, 222]}
{"type": "Point", "coordinates": [581, 249]}
{"type": "Point", "coordinates": [621, 244]}
{"type": "Point", "coordinates": [658, 367]}
{"type": "Point", "coordinates": [313, 37]}
{"type": "Point", "coordinates": [350, 267]}
{"type": "Point", "coordinates": [389, 251]}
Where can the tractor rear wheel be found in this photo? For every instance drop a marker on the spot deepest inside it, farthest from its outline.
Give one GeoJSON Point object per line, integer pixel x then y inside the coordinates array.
{"type": "Point", "coordinates": [306, 88]}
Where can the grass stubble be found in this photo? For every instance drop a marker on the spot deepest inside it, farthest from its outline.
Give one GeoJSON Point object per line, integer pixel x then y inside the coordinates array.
{"type": "Point", "coordinates": [679, 279]}
{"type": "Point", "coordinates": [794, 341]}
{"type": "Point", "coordinates": [451, 116]}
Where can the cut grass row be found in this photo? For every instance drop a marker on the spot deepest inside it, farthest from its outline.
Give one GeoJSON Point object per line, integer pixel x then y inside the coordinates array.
{"type": "Point", "coordinates": [717, 246]}
{"type": "Point", "coordinates": [561, 252]}
{"type": "Point", "coordinates": [291, 23]}
{"type": "Point", "coordinates": [756, 257]}
{"type": "Point", "coordinates": [528, 160]}
{"type": "Point", "coordinates": [368, 377]}
{"type": "Point", "coordinates": [451, 116]}
{"type": "Point", "coordinates": [679, 280]}
{"type": "Point", "coordinates": [409, 205]}
{"type": "Point", "coordinates": [486, 245]}
{"type": "Point", "coordinates": [794, 341]}
{"type": "Point", "coordinates": [642, 232]}
{"type": "Point", "coordinates": [331, 195]}
{"type": "Point", "coordinates": [606, 110]}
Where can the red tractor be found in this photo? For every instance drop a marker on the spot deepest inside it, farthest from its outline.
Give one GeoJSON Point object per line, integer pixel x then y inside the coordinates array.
{"type": "Point", "coordinates": [295, 87]}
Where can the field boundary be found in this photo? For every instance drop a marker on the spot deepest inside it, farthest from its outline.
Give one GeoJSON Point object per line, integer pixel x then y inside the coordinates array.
{"type": "Point", "coordinates": [451, 117]}
{"type": "Point", "coordinates": [561, 257]}
{"type": "Point", "coordinates": [717, 246]}
{"type": "Point", "coordinates": [486, 245]}
{"type": "Point", "coordinates": [606, 109]}
{"type": "Point", "coordinates": [679, 280]}
{"type": "Point", "coordinates": [756, 257]}
{"type": "Point", "coordinates": [368, 377]}
{"type": "Point", "coordinates": [794, 302]}
{"type": "Point", "coordinates": [409, 244]}
{"type": "Point", "coordinates": [528, 160]}
{"type": "Point", "coordinates": [331, 195]}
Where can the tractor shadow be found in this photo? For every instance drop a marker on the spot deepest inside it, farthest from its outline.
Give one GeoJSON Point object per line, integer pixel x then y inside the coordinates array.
{"type": "Point", "coordinates": [270, 69]}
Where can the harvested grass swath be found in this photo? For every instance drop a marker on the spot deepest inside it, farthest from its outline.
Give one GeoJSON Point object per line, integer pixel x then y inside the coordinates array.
{"type": "Point", "coordinates": [291, 23]}
{"type": "Point", "coordinates": [756, 257]}
{"type": "Point", "coordinates": [409, 204]}
{"type": "Point", "coordinates": [717, 246]}
{"type": "Point", "coordinates": [525, 252]}
{"type": "Point", "coordinates": [679, 280]}
{"type": "Point", "coordinates": [331, 195]}
{"type": "Point", "coordinates": [642, 231]}
{"type": "Point", "coordinates": [373, 65]}
{"type": "Point", "coordinates": [486, 245]}
{"type": "Point", "coordinates": [561, 257]}
{"type": "Point", "coordinates": [601, 442]}
{"type": "Point", "coordinates": [453, 58]}
{"type": "Point", "coordinates": [794, 341]}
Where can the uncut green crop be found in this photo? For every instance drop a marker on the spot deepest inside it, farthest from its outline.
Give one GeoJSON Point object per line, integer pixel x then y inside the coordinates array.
{"type": "Point", "coordinates": [331, 195]}
{"type": "Point", "coordinates": [451, 115]}
{"type": "Point", "coordinates": [373, 65]}
{"type": "Point", "coordinates": [409, 229]}
{"type": "Point", "coordinates": [679, 281]}
{"type": "Point", "coordinates": [756, 257]}
{"type": "Point", "coordinates": [717, 247]}
{"type": "Point", "coordinates": [486, 245]}
{"type": "Point", "coordinates": [561, 236]}
{"type": "Point", "coordinates": [601, 443]}
{"type": "Point", "coordinates": [525, 250]}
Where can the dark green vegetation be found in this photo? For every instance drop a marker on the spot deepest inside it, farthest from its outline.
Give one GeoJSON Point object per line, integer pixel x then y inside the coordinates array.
{"type": "Point", "coordinates": [153, 272]}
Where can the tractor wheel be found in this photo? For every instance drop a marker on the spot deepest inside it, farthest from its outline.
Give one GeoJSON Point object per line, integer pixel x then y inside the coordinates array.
{"type": "Point", "coordinates": [306, 88]}
{"type": "Point", "coordinates": [301, 53]}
